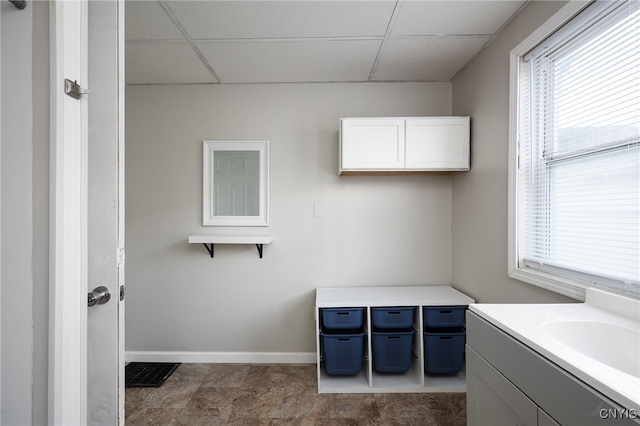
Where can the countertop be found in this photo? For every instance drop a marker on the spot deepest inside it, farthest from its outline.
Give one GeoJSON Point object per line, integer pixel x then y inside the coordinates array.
{"type": "Point", "coordinates": [529, 324]}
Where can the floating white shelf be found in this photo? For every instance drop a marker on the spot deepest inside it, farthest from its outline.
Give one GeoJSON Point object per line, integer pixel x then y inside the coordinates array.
{"type": "Point", "coordinates": [210, 240]}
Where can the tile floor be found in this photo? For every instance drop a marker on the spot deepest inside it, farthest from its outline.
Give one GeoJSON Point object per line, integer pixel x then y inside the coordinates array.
{"type": "Point", "coordinates": [278, 394]}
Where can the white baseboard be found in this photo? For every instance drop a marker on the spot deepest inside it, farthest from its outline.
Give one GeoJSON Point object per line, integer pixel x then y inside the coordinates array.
{"type": "Point", "coordinates": [223, 357]}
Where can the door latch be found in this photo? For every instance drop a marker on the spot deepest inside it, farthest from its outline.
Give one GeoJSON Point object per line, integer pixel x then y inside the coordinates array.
{"type": "Point", "coordinates": [73, 89]}
{"type": "Point", "coordinates": [122, 291]}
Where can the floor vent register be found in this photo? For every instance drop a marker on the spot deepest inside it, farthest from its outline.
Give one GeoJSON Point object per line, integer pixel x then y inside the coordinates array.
{"type": "Point", "coordinates": [148, 374]}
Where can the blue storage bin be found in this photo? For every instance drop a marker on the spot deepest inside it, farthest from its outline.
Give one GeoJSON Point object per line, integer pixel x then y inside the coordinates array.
{"type": "Point", "coordinates": [392, 350]}
{"type": "Point", "coordinates": [443, 316]}
{"type": "Point", "coordinates": [444, 350]}
{"type": "Point", "coordinates": [342, 352]}
{"type": "Point", "coordinates": [392, 317]}
{"type": "Point", "coordinates": [342, 318]}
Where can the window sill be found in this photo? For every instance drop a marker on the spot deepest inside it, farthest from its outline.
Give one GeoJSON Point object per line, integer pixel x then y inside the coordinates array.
{"type": "Point", "coordinates": [564, 286]}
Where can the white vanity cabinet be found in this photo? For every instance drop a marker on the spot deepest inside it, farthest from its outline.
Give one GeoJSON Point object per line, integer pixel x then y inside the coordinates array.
{"type": "Point", "coordinates": [396, 145]}
{"type": "Point", "coordinates": [509, 383]}
{"type": "Point", "coordinates": [368, 380]}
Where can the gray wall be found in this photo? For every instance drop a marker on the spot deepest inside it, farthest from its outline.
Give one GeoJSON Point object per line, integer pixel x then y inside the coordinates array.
{"type": "Point", "coordinates": [17, 217]}
{"type": "Point", "coordinates": [374, 230]}
{"type": "Point", "coordinates": [25, 211]}
{"type": "Point", "coordinates": [41, 139]}
{"type": "Point", "coordinates": [480, 196]}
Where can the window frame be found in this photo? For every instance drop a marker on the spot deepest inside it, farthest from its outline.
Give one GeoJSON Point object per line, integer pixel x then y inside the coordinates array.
{"type": "Point", "coordinates": [209, 196]}
{"type": "Point", "coordinates": [556, 282]}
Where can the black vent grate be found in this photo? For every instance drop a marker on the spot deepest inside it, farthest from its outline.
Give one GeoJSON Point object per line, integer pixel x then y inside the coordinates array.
{"type": "Point", "coordinates": [148, 374]}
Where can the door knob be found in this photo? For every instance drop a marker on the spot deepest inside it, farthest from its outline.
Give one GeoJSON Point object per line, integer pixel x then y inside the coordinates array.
{"type": "Point", "coordinates": [99, 296]}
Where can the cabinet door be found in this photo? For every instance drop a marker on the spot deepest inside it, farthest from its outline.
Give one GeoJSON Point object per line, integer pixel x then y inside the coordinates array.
{"type": "Point", "coordinates": [545, 420]}
{"type": "Point", "coordinates": [372, 143]}
{"type": "Point", "coordinates": [437, 143]}
{"type": "Point", "coordinates": [494, 400]}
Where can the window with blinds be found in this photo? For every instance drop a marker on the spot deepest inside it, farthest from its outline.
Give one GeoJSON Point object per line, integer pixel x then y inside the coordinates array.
{"type": "Point", "coordinates": [578, 166]}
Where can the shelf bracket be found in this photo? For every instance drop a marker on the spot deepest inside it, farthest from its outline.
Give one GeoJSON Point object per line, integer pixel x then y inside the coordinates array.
{"type": "Point", "coordinates": [209, 248]}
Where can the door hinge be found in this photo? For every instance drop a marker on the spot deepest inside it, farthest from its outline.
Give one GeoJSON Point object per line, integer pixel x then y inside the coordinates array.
{"type": "Point", "coordinates": [122, 291]}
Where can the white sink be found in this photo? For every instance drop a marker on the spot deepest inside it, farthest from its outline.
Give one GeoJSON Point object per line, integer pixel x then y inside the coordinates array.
{"type": "Point", "coordinates": [596, 341]}
{"type": "Point", "coordinates": [618, 347]}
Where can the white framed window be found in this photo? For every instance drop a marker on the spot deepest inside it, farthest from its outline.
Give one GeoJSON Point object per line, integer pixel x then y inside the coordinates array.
{"type": "Point", "coordinates": [574, 171]}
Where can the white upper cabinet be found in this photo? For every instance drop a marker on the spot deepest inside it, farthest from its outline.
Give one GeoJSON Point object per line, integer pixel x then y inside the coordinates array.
{"type": "Point", "coordinates": [372, 143]}
{"type": "Point", "coordinates": [438, 145]}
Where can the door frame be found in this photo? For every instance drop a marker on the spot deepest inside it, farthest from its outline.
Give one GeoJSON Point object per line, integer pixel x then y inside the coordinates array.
{"type": "Point", "coordinates": [68, 216]}
{"type": "Point", "coordinates": [68, 270]}
{"type": "Point", "coordinates": [120, 117]}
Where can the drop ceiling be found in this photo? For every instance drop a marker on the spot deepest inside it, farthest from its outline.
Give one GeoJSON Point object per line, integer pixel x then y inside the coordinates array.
{"type": "Point", "coordinates": [226, 42]}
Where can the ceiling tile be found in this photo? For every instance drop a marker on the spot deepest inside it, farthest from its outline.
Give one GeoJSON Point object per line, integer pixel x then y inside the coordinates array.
{"type": "Point", "coordinates": [276, 19]}
{"type": "Point", "coordinates": [426, 59]}
{"type": "Point", "coordinates": [306, 40]}
{"type": "Point", "coordinates": [147, 20]}
{"type": "Point", "coordinates": [164, 63]}
{"type": "Point", "coordinates": [291, 61]}
{"type": "Point", "coordinates": [453, 17]}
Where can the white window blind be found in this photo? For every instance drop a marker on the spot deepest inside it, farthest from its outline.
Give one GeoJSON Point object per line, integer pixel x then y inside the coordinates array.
{"type": "Point", "coordinates": [579, 150]}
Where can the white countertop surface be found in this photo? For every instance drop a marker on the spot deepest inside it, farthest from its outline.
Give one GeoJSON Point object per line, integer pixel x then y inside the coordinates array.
{"type": "Point", "coordinates": [343, 297]}
{"type": "Point", "coordinates": [527, 323]}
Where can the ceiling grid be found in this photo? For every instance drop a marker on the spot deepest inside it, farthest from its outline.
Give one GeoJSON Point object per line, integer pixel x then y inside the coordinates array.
{"type": "Point", "coordinates": [240, 42]}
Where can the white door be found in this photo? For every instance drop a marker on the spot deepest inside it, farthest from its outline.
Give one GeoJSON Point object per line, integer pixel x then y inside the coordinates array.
{"type": "Point", "coordinates": [86, 344]}
{"type": "Point", "coordinates": [105, 329]}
